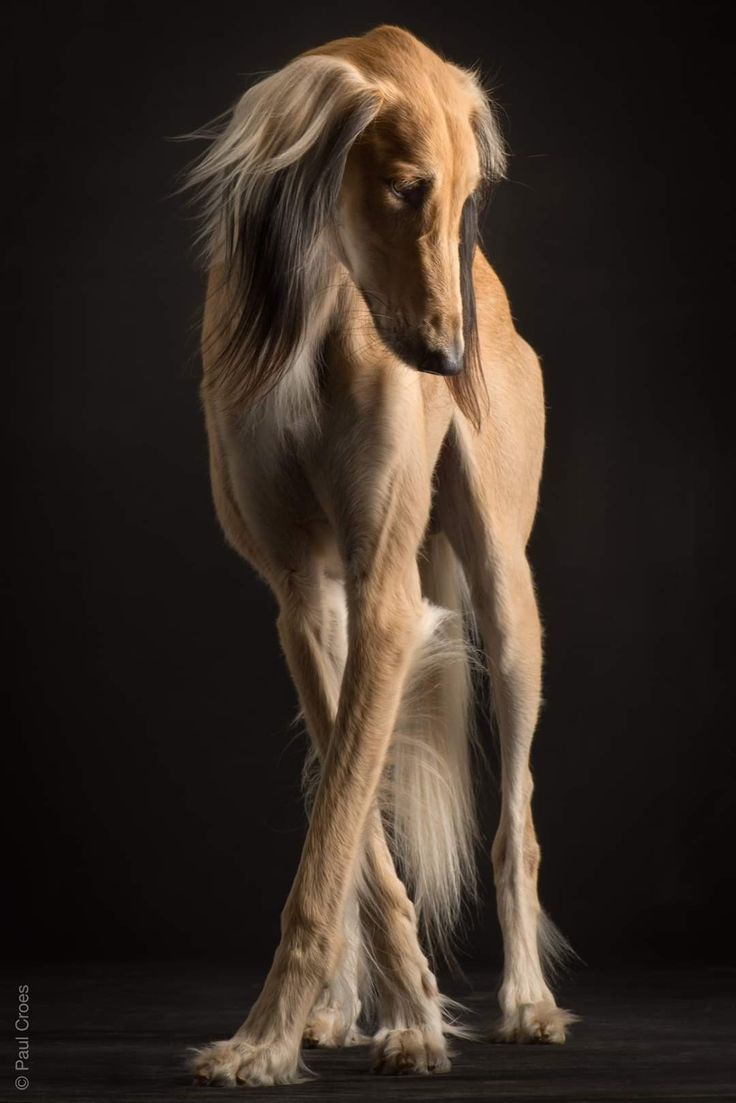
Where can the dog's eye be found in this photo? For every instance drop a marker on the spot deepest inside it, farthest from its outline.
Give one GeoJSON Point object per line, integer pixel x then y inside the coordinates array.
{"type": "Point", "coordinates": [411, 192]}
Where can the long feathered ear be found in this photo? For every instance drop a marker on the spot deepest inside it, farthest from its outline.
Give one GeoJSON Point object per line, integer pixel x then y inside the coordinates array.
{"type": "Point", "coordinates": [469, 388]}
{"type": "Point", "coordinates": [268, 186]}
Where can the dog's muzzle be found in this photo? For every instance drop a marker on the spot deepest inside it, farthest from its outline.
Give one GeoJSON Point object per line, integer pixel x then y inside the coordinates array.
{"type": "Point", "coordinates": [437, 362]}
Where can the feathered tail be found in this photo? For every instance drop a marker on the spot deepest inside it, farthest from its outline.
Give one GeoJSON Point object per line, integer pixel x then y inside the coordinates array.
{"type": "Point", "coordinates": [428, 793]}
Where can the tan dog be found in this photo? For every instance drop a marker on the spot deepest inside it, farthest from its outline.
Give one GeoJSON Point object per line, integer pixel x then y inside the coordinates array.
{"type": "Point", "coordinates": [376, 434]}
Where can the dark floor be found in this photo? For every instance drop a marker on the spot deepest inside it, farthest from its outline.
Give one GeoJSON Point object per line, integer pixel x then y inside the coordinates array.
{"type": "Point", "coordinates": [121, 1033]}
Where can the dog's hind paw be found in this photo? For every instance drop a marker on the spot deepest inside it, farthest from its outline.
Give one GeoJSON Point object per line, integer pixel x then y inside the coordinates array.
{"type": "Point", "coordinates": [403, 1052]}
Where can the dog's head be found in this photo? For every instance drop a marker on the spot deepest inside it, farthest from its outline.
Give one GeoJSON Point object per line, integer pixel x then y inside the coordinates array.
{"type": "Point", "coordinates": [368, 153]}
{"type": "Point", "coordinates": [407, 221]}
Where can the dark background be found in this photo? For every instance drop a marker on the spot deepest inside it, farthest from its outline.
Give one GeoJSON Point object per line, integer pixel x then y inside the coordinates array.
{"type": "Point", "coordinates": [157, 772]}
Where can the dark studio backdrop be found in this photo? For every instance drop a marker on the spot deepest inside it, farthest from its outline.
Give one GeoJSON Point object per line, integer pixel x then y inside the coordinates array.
{"type": "Point", "coordinates": [150, 707]}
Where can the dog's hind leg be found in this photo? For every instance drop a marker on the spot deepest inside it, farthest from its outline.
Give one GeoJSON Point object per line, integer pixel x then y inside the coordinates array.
{"type": "Point", "coordinates": [334, 1018]}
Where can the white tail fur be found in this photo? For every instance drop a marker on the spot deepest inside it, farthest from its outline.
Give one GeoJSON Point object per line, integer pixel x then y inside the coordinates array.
{"type": "Point", "coordinates": [428, 792]}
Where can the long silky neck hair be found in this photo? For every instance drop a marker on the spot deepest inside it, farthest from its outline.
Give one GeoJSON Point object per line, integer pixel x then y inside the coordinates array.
{"type": "Point", "coordinates": [268, 188]}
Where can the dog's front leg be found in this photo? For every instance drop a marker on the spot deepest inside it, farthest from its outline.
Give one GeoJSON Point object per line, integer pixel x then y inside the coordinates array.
{"type": "Point", "coordinates": [385, 617]}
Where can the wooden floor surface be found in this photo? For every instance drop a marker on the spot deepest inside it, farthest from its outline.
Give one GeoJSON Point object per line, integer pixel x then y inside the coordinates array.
{"type": "Point", "coordinates": [121, 1032]}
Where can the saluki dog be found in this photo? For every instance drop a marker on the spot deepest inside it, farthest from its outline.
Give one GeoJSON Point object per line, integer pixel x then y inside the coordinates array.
{"type": "Point", "coordinates": [375, 429]}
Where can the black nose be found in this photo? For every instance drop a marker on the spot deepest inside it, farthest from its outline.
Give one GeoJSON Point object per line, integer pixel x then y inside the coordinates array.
{"type": "Point", "coordinates": [437, 362]}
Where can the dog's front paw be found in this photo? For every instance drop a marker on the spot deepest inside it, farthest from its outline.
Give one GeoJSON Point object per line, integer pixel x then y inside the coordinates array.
{"type": "Point", "coordinates": [541, 1023]}
{"type": "Point", "coordinates": [238, 1061]}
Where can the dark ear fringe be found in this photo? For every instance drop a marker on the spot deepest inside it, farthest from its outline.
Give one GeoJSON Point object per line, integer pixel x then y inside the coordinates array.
{"type": "Point", "coordinates": [273, 269]}
{"type": "Point", "coordinates": [469, 388]}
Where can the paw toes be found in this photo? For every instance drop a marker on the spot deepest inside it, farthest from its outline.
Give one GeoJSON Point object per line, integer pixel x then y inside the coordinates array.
{"type": "Point", "coordinates": [215, 1064]}
{"type": "Point", "coordinates": [534, 1024]}
{"type": "Point", "coordinates": [326, 1029]}
{"type": "Point", "coordinates": [438, 1062]}
{"type": "Point", "coordinates": [241, 1062]}
{"type": "Point", "coordinates": [312, 1038]}
{"type": "Point", "coordinates": [409, 1052]}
